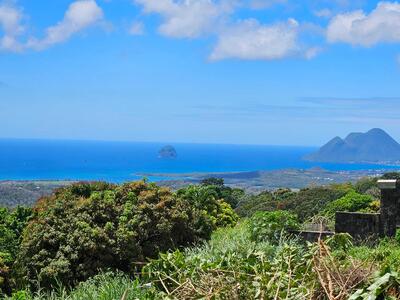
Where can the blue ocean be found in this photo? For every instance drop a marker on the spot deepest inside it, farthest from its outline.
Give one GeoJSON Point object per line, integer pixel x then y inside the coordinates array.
{"type": "Point", "coordinates": [125, 161]}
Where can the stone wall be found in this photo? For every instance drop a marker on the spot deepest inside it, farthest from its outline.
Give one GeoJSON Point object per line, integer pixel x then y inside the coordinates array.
{"type": "Point", "coordinates": [360, 226]}
{"type": "Point", "coordinates": [312, 236]}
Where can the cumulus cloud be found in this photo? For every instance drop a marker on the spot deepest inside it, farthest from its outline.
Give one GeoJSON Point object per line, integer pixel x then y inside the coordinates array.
{"type": "Point", "coordinates": [80, 15]}
{"type": "Point", "coordinates": [189, 18]}
{"type": "Point", "coordinates": [245, 39]}
{"type": "Point", "coordinates": [358, 28]}
{"type": "Point", "coordinates": [251, 40]}
{"type": "Point", "coordinates": [10, 24]}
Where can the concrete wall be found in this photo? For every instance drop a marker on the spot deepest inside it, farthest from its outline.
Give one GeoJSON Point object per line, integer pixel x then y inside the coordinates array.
{"type": "Point", "coordinates": [359, 225]}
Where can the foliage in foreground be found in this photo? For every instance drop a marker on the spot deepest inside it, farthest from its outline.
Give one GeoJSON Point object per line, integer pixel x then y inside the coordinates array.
{"type": "Point", "coordinates": [270, 226]}
{"type": "Point", "coordinates": [104, 286]}
{"type": "Point", "coordinates": [90, 223]}
{"type": "Point", "coordinates": [12, 224]}
{"type": "Point", "coordinates": [86, 228]}
{"type": "Point", "coordinates": [352, 201]}
{"type": "Point", "coordinates": [235, 266]}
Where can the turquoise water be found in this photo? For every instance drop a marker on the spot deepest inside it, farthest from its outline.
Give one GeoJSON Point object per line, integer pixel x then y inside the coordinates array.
{"type": "Point", "coordinates": [122, 161]}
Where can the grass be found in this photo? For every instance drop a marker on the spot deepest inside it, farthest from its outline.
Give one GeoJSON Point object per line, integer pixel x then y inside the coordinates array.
{"type": "Point", "coordinates": [105, 286]}
{"type": "Point", "coordinates": [234, 266]}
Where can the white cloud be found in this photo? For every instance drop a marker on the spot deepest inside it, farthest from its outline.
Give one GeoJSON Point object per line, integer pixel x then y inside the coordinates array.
{"type": "Point", "coordinates": [80, 15]}
{"type": "Point", "coordinates": [251, 40]}
{"type": "Point", "coordinates": [312, 52]}
{"type": "Point", "coordinates": [188, 18]}
{"type": "Point", "coordinates": [323, 13]}
{"type": "Point", "coordinates": [262, 4]}
{"type": "Point", "coordinates": [10, 23]}
{"type": "Point", "coordinates": [136, 28]}
{"type": "Point", "coordinates": [357, 28]}
{"type": "Point", "coordinates": [247, 39]}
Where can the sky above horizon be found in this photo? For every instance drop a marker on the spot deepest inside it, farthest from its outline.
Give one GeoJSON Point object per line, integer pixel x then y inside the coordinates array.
{"type": "Point", "coordinates": [279, 72]}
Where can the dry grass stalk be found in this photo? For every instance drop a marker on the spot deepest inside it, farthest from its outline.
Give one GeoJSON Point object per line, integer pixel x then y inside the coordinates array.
{"type": "Point", "coordinates": [338, 282]}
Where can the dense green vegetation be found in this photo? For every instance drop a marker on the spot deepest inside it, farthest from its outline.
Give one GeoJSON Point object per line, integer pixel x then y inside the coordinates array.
{"type": "Point", "coordinates": [142, 241]}
{"type": "Point", "coordinates": [89, 227]}
{"type": "Point", "coordinates": [12, 224]}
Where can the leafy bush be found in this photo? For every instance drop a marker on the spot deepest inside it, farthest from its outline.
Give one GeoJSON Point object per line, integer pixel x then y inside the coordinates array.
{"type": "Point", "coordinates": [5, 286]}
{"type": "Point", "coordinates": [226, 193]}
{"type": "Point", "coordinates": [365, 184]}
{"type": "Point", "coordinates": [207, 199]}
{"type": "Point", "coordinates": [352, 202]}
{"type": "Point", "coordinates": [249, 204]}
{"type": "Point", "coordinates": [391, 175]}
{"type": "Point", "coordinates": [12, 224]}
{"type": "Point", "coordinates": [270, 225]}
{"type": "Point", "coordinates": [305, 204]}
{"type": "Point", "coordinates": [233, 266]}
{"type": "Point", "coordinates": [312, 201]}
{"type": "Point", "coordinates": [104, 286]}
{"type": "Point", "coordinates": [89, 227]}
{"type": "Point", "coordinates": [383, 286]}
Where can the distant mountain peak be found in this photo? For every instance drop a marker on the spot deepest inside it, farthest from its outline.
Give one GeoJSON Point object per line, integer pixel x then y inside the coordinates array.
{"type": "Point", "coordinates": [377, 131]}
{"type": "Point", "coordinates": [336, 140]}
{"type": "Point", "coordinates": [373, 146]}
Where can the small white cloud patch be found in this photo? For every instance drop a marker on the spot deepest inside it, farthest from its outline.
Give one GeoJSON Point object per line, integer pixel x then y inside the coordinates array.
{"type": "Point", "coordinates": [136, 28]}
{"type": "Point", "coordinates": [357, 28]}
{"type": "Point", "coordinates": [186, 19]}
{"type": "Point", "coordinates": [80, 15]}
{"type": "Point", "coordinates": [323, 13]}
{"type": "Point", "coordinates": [10, 23]}
{"type": "Point", "coordinates": [251, 40]}
{"type": "Point", "coordinates": [262, 4]}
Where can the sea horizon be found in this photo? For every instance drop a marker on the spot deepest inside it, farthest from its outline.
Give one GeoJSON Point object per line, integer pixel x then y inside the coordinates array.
{"type": "Point", "coordinates": [121, 161]}
{"type": "Point", "coordinates": [150, 142]}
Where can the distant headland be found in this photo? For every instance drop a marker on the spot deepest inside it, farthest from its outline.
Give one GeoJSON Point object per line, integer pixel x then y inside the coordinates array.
{"type": "Point", "coordinates": [374, 146]}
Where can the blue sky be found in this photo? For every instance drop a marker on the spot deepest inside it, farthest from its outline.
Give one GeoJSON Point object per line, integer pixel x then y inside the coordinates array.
{"type": "Point", "coordinates": [231, 71]}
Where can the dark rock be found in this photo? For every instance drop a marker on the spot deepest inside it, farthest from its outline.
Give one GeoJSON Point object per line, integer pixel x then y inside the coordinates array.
{"type": "Point", "coordinates": [168, 152]}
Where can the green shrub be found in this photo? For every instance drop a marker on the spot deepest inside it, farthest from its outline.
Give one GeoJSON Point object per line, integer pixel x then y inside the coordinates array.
{"type": "Point", "coordinates": [365, 184]}
{"type": "Point", "coordinates": [391, 175]}
{"type": "Point", "coordinates": [305, 203]}
{"type": "Point", "coordinates": [233, 266]}
{"type": "Point", "coordinates": [352, 202]}
{"type": "Point", "coordinates": [270, 225]}
{"type": "Point", "coordinates": [207, 199]}
{"type": "Point", "coordinates": [311, 201]}
{"type": "Point", "coordinates": [104, 286]}
{"type": "Point", "coordinates": [386, 286]}
{"type": "Point", "coordinates": [397, 236]}
{"type": "Point", "coordinates": [89, 227]}
{"type": "Point", "coordinates": [228, 194]}
{"type": "Point", "coordinates": [12, 224]}
{"type": "Point", "coordinates": [250, 204]}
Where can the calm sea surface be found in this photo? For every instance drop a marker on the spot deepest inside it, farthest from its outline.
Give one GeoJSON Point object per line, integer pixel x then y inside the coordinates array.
{"type": "Point", "coordinates": [122, 161]}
